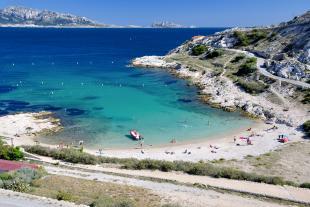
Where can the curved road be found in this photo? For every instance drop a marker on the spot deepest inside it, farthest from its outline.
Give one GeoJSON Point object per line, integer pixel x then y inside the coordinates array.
{"type": "Point", "coordinates": [263, 71]}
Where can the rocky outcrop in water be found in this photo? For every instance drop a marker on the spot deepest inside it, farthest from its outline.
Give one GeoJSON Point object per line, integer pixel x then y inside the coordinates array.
{"type": "Point", "coordinates": [166, 24]}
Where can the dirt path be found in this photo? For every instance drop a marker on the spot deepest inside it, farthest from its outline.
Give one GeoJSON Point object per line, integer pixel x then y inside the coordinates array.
{"type": "Point", "coordinates": [185, 196]}
{"type": "Point", "coordinates": [262, 70]}
{"type": "Point", "coordinates": [261, 189]}
{"type": "Point", "coordinates": [289, 193]}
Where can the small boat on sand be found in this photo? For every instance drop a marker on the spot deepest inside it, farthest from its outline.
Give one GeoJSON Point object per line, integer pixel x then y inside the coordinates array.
{"type": "Point", "coordinates": [135, 134]}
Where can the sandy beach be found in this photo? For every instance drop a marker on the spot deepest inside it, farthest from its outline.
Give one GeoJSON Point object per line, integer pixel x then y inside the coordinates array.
{"type": "Point", "coordinates": [262, 136]}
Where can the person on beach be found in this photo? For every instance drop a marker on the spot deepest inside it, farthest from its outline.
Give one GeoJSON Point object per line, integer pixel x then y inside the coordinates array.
{"type": "Point", "coordinates": [235, 139]}
{"type": "Point", "coordinates": [248, 141]}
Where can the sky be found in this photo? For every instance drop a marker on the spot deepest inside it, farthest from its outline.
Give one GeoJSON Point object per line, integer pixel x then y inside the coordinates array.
{"type": "Point", "coordinates": [202, 13]}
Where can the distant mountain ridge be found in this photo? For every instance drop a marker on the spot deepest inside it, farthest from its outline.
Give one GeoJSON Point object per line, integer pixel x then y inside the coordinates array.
{"type": "Point", "coordinates": [18, 16]}
{"type": "Point", "coordinates": [22, 16]}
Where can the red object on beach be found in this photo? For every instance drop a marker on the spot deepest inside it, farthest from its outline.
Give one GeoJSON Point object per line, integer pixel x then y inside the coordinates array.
{"type": "Point", "coordinates": [136, 135]}
{"type": "Point", "coordinates": [284, 140]}
{"type": "Point", "coordinates": [6, 165]}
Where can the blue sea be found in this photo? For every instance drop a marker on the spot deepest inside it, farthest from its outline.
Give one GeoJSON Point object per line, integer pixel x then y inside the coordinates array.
{"type": "Point", "coordinates": [82, 76]}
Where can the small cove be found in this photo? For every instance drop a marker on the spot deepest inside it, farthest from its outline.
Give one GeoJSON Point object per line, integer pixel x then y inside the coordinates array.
{"type": "Point", "coordinates": [81, 75]}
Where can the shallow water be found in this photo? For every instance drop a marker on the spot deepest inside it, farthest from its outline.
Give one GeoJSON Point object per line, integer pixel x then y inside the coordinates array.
{"type": "Point", "coordinates": [81, 75]}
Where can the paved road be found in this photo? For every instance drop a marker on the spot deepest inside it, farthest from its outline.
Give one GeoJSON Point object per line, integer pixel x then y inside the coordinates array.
{"type": "Point", "coordinates": [262, 70]}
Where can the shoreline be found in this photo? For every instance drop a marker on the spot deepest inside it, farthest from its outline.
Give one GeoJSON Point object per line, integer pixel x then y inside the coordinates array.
{"type": "Point", "coordinates": [222, 147]}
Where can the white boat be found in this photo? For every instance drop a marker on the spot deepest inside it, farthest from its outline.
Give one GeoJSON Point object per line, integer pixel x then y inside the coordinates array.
{"type": "Point", "coordinates": [135, 134]}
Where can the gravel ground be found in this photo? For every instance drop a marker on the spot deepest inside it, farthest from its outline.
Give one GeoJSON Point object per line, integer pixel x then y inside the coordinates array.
{"type": "Point", "coordinates": [15, 199]}
{"type": "Point", "coordinates": [171, 193]}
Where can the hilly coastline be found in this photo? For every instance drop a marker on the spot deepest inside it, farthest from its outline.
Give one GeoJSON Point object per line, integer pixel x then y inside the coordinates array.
{"type": "Point", "coordinates": [18, 16]}
{"type": "Point", "coordinates": [262, 71]}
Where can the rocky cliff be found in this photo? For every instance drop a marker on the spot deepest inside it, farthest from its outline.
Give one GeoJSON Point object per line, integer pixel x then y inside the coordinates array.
{"type": "Point", "coordinates": [261, 71]}
{"type": "Point", "coordinates": [286, 47]}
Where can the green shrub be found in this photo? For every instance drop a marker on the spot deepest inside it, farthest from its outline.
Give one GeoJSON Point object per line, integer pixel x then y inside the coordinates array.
{"type": "Point", "coordinates": [16, 185]}
{"type": "Point", "coordinates": [252, 87]}
{"type": "Point", "coordinates": [171, 205]}
{"type": "Point", "coordinates": [63, 196]}
{"type": "Point", "coordinates": [10, 153]}
{"type": "Point", "coordinates": [248, 67]}
{"type": "Point", "coordinates": [242, 38]}
{"type": "Point", "coordinates": [199, 50]}
{"type": "Point", "coordinates": [215, 53]}
{"type": "Point", "coordinates": [306, 127]}
{"type": "Point", "coordinates": [237, 58]}
{"type": "Point", "coordinates": [109, 202]}
{"type": "Point", "coordinates": [305, 185]}
{"type": "Point", "coordinates": [68, 155]}
{"type": "Point", "coordinates": [257, 35]}
{"type": "Point", "coordinates": [245, 38]}
{"type": "Point", "coordinates": [20, 180]}
{"type": "Point", "coordinates": [5, 176]}
{"type": "Point", "coordinates": [306, 98]}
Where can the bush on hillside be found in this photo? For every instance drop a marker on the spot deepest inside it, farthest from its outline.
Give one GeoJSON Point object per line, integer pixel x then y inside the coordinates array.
{"type": "Point", "coordinates": [20, 180]}
{"type": "Point", "coordinates": [306, 98]}
{"type": "Point", "coordinates": [252, 87]}
{"type": "Point", "coordinates": [245, 38]}
{"type": "Point", "coordinates": [237, 59]}
{"type": "Point", "coordinates": [63, 196]}
{"type": "Point", "coordinates": [248, 67]}
{"type": "Point", "coordinates": [306, 127]}
{"type": "Point", "coordinates": [199, 50]}
{"type": "Point", "coordinates": [8, 152]}
{"type": "Point", "coordinates": [305, 185]}
{"type": "Point", "coordinates": [109, 202]}
{"type": "Point", "coordinates": [215, 53]}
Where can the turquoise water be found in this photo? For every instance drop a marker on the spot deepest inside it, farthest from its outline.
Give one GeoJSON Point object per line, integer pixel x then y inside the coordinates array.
{"type": "Point", "coordinates": [81, 75]}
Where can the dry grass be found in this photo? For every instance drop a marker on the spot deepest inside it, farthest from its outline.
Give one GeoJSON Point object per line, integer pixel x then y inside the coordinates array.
{"type": "Point", "coordinates": [290, 162]}
{"type": "Point", "coordinates": [87, 191]}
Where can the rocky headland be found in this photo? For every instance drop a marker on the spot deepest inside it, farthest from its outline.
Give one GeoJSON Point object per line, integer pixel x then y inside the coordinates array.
{"type": "Point", "coordinates": [263, 72]}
